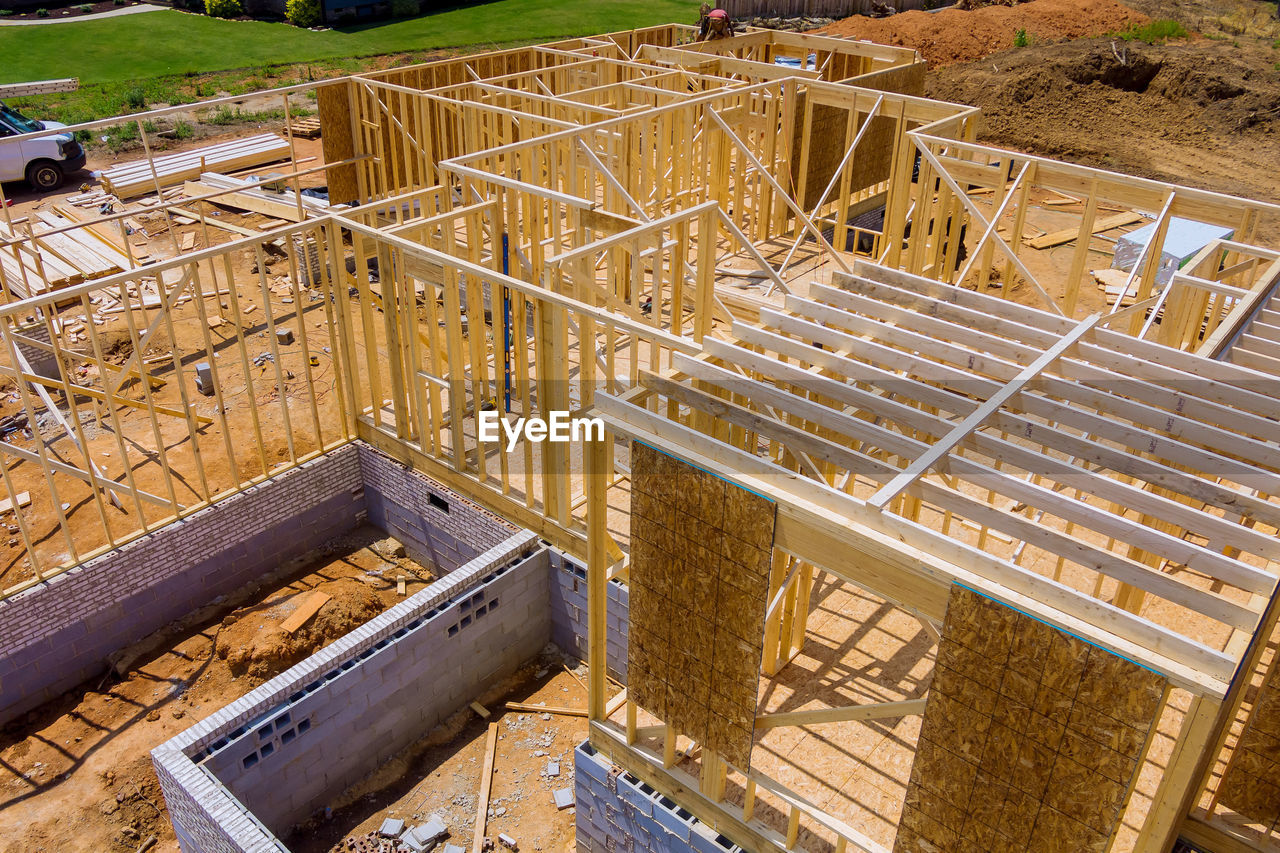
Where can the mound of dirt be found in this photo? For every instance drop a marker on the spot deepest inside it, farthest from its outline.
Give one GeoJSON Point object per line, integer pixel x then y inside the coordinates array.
{"type": "Point", "coordinates": [955, 35]}
{"type": "Point", "coordinates": [252, 642]}
{"type": "Point", "coordinates": [1120, 107]}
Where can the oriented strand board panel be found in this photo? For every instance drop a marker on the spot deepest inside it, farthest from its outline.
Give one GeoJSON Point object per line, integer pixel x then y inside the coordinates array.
{"type": "Point", "coordinates": [333, 101]}
{"type": "Point", "coordinates": [700, 557]}
{"type": "Point", "coordinates": [1251, 785]}
{"type": "Point", "coordinates": [1030, 740]}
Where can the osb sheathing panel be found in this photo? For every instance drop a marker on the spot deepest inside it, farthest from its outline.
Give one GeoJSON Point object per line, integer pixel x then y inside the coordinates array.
{"type": "Point", "coordinates": [1251, 785]}
{"type": "Point", "coordinates": [1030, 738]}
{"type": "Point", "coordinates": [700, 556]}
{"type": "Point", "coordinates": [829, 141]}
{"type": "Point", "coordinates": [333, 103]}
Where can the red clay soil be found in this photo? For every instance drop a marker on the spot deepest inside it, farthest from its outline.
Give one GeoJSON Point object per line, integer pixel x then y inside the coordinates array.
{"type": "Point", "coordinates": [952, 35]}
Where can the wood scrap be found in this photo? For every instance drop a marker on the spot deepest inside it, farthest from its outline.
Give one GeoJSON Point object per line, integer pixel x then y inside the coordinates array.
{"type": "Point", "coordinates": [546, 709]}
{"type": "Point", "coordinates": [310, 606]}
{"type": "Point", "coordinates": [24, 499]}
{"type": "Point", "coordinates": [486, 785]}
{"type": "Point", "coordinates": [1066, 235]}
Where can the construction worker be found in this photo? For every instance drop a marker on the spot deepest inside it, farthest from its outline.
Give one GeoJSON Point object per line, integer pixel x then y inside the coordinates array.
{"type": "Point", "coordinates": [719, 26]}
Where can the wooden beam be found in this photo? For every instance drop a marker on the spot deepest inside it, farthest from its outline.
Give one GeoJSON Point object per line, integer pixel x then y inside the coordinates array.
{"type": "Point", "coordinates": [944, 446]}
{"type": "Point", "coordinates": [870, 711]}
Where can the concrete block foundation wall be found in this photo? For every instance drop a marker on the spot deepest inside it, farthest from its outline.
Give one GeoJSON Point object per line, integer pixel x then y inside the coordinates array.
{"type": "Point", "coordinates": [60, 633]}
{"type": "Point", "coordinates": [568, 605]}
{"type": "Point", "coordinates": [270, 759]}
{"type": "Point", "coordinates": [618, 812]}
{"type": "Point", "coordinates": [438, 527]}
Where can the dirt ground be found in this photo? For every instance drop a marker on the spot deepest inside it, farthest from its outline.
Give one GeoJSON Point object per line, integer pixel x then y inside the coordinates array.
{"type": "Point", "coordinates": [1200, 111]}
{"type": "Point", "coordinates": [76, 775]}
{"type": "Point", "coordinates": [246, 394]}
{"type": "Point", "coordinates": [441, 775]}
{"type": "Point", "coordinates": [952, 35]}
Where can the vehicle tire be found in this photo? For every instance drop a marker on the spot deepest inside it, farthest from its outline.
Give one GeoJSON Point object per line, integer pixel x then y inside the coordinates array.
{"type": "Point", "coordinates": [44, 175]}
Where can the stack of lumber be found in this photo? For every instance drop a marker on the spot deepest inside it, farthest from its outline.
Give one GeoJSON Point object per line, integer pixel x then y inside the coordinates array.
{"type": "Point", "coordinates": [249, 196]}
{"type": "Point", "coordinates": [54, 261]}
{"type": "Point", "coordinates": [307, 128]}
{"type": "Point", "coordinates": [129, 180]}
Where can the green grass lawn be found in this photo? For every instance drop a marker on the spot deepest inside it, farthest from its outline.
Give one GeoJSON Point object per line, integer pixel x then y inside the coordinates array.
{"type": "Point", "coordinates": [135, 47]}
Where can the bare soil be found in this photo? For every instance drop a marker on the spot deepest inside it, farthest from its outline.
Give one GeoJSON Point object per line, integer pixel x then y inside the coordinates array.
{"type": "Point", "coordinates": [1200, 111]}
{"type": "Point", "coordinates": [76, 775]}
{"type": "Point", "coordinates": [953, 35]}
{"type": "Point", "coordinates": [441, 774]}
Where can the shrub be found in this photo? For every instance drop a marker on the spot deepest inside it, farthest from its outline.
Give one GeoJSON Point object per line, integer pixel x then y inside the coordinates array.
{"type": "Point", "coordinates": [404, 8]}
{"type": "Point", "coordinates": [135, 98]}
{"type": "Point", "coordinates": [150, 126]}
{"type": "Point", "coordinates": [42, 13]}
{"type": "Point", "coordinates": [223, 8]}
{"type": "Point", "coordinates": [302, 13]}
{"type": "Point", "coordinates": [119, 2]}
{"type": "Point", "coordinates": [1021, 39]}
{"type": "Point", "coordinates": [85, 8]}
{"type": "Point", "coordinates": [1156, 31]}
{"type": "Point", "coordinates": [183, 130]}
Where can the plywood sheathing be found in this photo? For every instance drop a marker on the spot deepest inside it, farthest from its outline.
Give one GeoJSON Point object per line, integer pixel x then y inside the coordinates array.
{"type": "Point", "coordinates": [1251, 784]}
{"type": "Point", "coordinates": [700, 557]}
{"type": "Point", "coordinates": [1030, 740]}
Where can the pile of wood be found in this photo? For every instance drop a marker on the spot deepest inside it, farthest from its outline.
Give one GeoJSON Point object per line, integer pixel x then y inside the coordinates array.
{"type": "Point", "coordinates": [52, 261]}
{"type": "Point", "coordinates": [250, 196]}
{"type": "Point", "coordinates": [307, 128]}
{"type": "Point", "coordinates": [129, 180]}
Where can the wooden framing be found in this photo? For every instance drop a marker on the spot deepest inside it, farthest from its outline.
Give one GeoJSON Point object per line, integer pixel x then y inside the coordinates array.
{"type": "Point", "coordinates": [671, 236]}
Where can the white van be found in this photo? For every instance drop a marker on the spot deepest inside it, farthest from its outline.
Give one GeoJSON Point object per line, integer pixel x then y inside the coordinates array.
{"type": "Point", "coordinates": [42, 161]}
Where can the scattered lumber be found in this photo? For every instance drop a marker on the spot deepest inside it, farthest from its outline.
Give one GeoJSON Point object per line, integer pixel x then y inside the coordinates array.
{"type": "Point", "coordinates": [46, 261]}
{"type": "Point", "coordinates": [309, 606]}
{"type": "Point", "coordinates": [528, 708]}
{"type": "Point", "coordinates": [250, 196]}
{"type": "Point", "coordinates": [128, 180]}
{"type": "Point", "coordinates": [1066, 235]}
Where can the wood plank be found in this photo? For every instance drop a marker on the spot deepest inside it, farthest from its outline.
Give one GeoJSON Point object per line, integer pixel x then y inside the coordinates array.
{"type": "Point", "coordinates": [1066, 235]}
{"type": "Point", "coordinates": [24, 499]}
{"type": "Point", "coordinates": [486, 785]}
{"type": "Point", "coordinates": [310, 605]}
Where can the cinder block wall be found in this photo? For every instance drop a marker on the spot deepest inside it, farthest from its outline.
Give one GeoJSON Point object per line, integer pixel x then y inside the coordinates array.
{"type": "Point", "coordinates": [59, 633]}
{"type": "Point", "coordinates": [568, 605]}
{"type": "Point", "coordinates": [437, 526]}
{"type": "Point", "coordinates": [270, 759]}
{"type": "Point", "coordinates": [618, 812]}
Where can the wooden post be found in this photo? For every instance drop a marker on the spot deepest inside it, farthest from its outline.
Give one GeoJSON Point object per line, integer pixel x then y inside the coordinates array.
{"type": "Point", "coordinates": [596, 465]}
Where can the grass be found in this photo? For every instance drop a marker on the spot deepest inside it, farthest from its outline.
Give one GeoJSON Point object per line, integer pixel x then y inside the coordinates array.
{"type": "Point", "coordinates": [107, 50]}
{"type": "Point", "coordinates": [1154, 32]}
